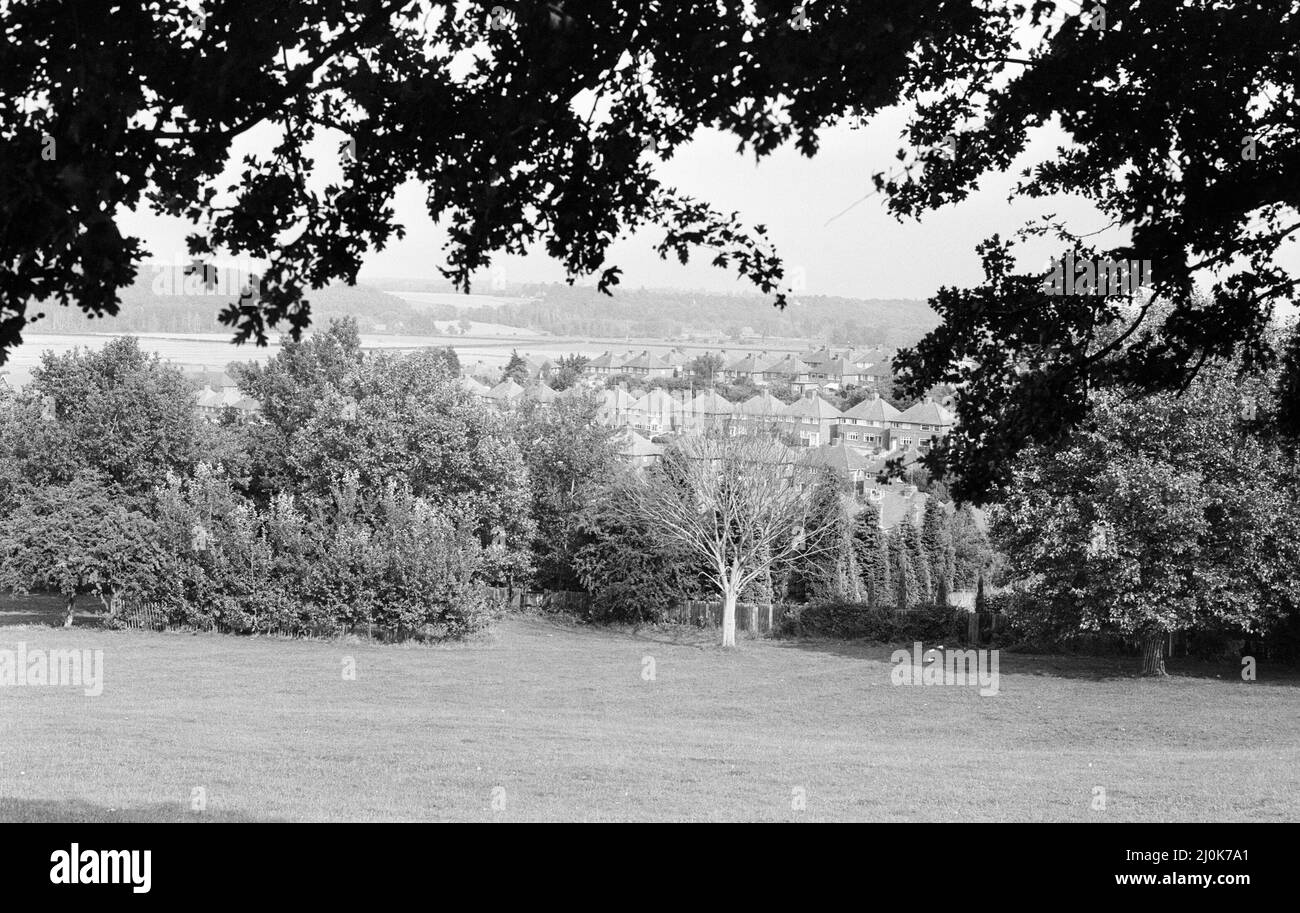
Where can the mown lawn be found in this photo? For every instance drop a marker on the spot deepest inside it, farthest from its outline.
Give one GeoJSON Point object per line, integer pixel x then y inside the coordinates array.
{"type": "Point", "coordinates": [559, 720]}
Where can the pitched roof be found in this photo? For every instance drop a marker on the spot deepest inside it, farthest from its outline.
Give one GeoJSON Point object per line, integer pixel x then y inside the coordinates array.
{"type": "Point", "coordinates": [882, 368]}
{"type": "Point", "coordinates": [763, 404]}
{"type": "Point", "coordinates": [541, 393]}
{"type": "Point", "coordinates": [209, 399]}
{"type": "Point", "coordinates": [473, 386]}
{"type": "Point", "coordinates": [506, 390]}
{"type": "Point", "coordinates": [617, 399]}
{"type": "Point", "coordinates": [818, 356]}
{"type": "Point", "coordinates": [217, 380]}
{"type": "Point", "coordinates": [927, 412]}
{"type": "Point", "coordinates": [536, 364]}
{"type": "Point", "coordinates": [840, 456]}
{"type": "Point", "coordinates": [646, 360]}
{"type": "Point", "coordinates": [710, 402]}
{"type": "Point", "coordinates": [787, 365]}
{"type": "Point", "coordinates": [874, 408]}
{"type": "Point", "coordinates": [814, 407]}
{"type": "Point", "coordinates": [657, 400]}
{"type": "Point", "coordinates": [602, 361]}
{"type": "Point", "coordinates": [746, 364]}
{"type": "Point", "coordinates": [840, 367]}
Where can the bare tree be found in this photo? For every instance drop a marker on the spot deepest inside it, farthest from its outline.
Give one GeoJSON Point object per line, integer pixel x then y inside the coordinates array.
{"type": "Point", "coordinates": [742, 504]}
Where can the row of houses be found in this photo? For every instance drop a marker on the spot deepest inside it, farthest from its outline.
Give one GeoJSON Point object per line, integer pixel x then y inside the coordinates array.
{"type": "Point", "coordinates": [873, 425]}
{"type": "Point", "coordinates": [818, 369]}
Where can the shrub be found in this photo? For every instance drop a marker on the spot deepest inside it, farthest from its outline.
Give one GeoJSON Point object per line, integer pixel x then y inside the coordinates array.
{"type": "Point", "coordinates": [858, 621]}
{"type": "Point", "coordinates": [387, 559]}
{"type": "Point", "coordinates": [630, 574]}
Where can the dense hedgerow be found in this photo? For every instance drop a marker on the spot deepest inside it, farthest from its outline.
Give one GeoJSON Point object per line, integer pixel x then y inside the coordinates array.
{"type": "Point", "coordinates": [858, 621]}
{"type": "Point", "coordinates": [365, 560]}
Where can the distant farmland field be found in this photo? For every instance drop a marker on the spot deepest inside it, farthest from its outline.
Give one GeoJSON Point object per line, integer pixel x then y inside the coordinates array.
{"type": "Point", "coordinates": [454, 299]}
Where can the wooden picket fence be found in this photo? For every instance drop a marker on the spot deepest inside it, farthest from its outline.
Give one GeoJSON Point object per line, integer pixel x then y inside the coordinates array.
{"type": "Point", "coordinates": [981, 627]}
{"type": "Point", "coordinates": [752, 617]}
{"type": "Point", "coordinates": [141, 616]}
{"type": "Point", "coordinates": [759, 617]}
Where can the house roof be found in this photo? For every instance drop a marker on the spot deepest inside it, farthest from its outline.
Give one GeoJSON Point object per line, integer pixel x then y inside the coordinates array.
{"type": "Point", "coordinates": [541, 393]}
{"type": "Point", "coordinates": [787, 365]}
{"type": "Point", "coordinates": [217, 380]}
{"type": "Point", "coordinates": [617, 398]}
{"type": "Point", "coordinates": [506, 390]}
{"type": "Point", "coordinates": [817, 356]}
{"type": "Point", "coordinates": [873, 409]}
{"type": "Point", "coordinates": [927, 412]}
{"type": "Point", "coordinates": [840, 367]}
{"type": "Point", "coordinates": [536, 364]}
{"type": "Point", "coordinates": [657, 400]}
{"type": "Point", "coordinates": [646, 360]}
{"type": "Point", "coordinates": [882, 368]}
{"type": "Point", "coordinates": [814, 407]}
{"type": "Point", "coordinates": [473, 386]}
{"type": "Point", "coordinates": [710, 402]}
{"type": "Point", "coordinates": [605, 360]}
{"type": "Point", "coordinates": [840, 456]}
{"type": "Point", "coordinates": [208, 398]}
{"type": "Point", "coordinates": [763, 404]}
{"type": "Point", "coordinates": [746, 364]}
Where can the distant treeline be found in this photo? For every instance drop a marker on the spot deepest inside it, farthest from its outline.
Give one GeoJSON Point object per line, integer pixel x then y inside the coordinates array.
{"type": "Point", "coordinates": [556, 308]}
{"type": "Point", "coordinates": [144, 311]}
{"type": "Point", "coordinates": [666, 314]}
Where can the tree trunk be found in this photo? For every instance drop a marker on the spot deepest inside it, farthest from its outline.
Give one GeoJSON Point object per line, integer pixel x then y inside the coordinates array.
{"type": "Point", "coordinates": [729, 617]}
{"type": "Point", "coordinates": [67, 621]}
{"type": "Point", "coordinates": [1153, 655]}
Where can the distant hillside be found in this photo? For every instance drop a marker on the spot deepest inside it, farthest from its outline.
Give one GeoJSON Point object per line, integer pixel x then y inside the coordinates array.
{"type": "Point", "coordinates": [566, 310]}
{"type": "Point", "coordinates": [558, 309]}
{"type": "Point", "coordinates": [144, 311]}
{"type": "Point", "coordinates": [670, 314]}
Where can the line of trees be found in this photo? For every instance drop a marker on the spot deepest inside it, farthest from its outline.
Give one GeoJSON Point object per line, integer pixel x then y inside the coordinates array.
{"type": "Point", "coordinates": [1164, 513]}
{"type": "Point", "coordinates": [918, 561]}
{"type": "Point", "coordinates": [373, 490]}
{"type": "Point", "coordinates": [742, 518]}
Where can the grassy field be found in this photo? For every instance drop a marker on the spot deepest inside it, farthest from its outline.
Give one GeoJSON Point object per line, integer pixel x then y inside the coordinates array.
{"type": "Point", "coordinates": [561, 723]}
